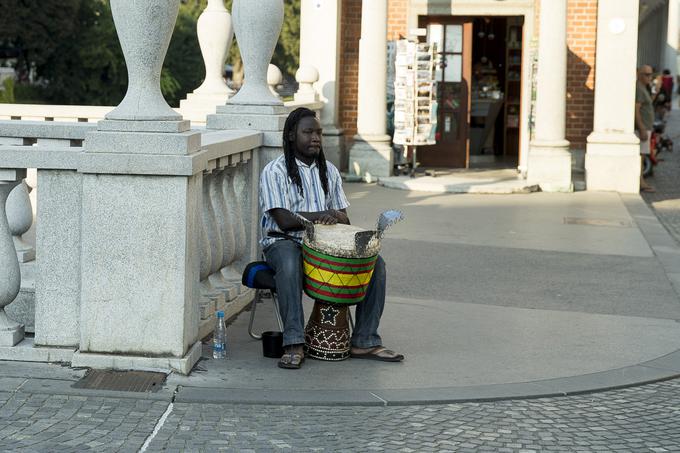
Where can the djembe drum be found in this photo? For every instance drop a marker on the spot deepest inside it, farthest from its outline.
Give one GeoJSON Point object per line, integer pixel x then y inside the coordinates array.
{"type": "Point", "coordinates": [338, 262]}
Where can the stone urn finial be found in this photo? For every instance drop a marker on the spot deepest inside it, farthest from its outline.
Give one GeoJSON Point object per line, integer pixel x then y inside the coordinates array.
{"type": "Point", "coordinates": [257, 24]}
{"type": "Point", "coordinates": [306, 77]}
{"type": "Point", "coordinates": [274, 78]}
{"type": "Point", "coordinates": [144, 29]}
{"type": "Point", "coordinates": [215, 33]}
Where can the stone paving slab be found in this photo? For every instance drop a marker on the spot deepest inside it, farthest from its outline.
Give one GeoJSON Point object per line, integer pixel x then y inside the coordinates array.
{"type": "Point", "coordinates": [470, 181]}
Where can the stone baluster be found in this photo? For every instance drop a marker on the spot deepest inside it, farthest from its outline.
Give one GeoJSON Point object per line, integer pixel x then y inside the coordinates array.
{"type": "Point", "coordinates": [238, 181]}
{"type": "Point", "coordinates": [257, 26]}
{"type": "Point", "coordinates": [20, 219]}
{"type": "Point", "coordinates": [225, 229]}
{"type": "Point", "coordinates": [11, 332]}
{"type": "Point", "coordinates": [204, 244]}
{"type": "Point", "coordinates": [274, 79]}
{"type": "Point", "coordinates": [306, 76]}
{"type": "Point", "coordinates": [232, 215]}
{"type": "Point", "coordinates": [217, 217]}
{"type": "Point", "coordinates": [213, 250]}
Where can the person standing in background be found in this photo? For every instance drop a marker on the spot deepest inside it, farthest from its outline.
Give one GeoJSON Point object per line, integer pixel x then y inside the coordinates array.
{"type": "Point", "coordinates": [644, 117]}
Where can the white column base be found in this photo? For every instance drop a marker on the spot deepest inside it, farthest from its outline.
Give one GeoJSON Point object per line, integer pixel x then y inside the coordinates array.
{"type": "Point", "coordinates": [549, 166]}
{"type": "Point", "coordinates": [371, 157]}
{"type": "Point", "coordinates": [182, 365]}
{"type": "Point", "coordinates": [613, 163]}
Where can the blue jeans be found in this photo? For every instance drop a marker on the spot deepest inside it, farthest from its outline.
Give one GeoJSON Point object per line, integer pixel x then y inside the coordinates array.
{"type": "Point", "coordinates": [285, 257]}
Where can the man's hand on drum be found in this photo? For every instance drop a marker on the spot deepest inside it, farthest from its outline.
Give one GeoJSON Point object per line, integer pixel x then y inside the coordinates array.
{"type": "Point", "coordinates": [326, 218]}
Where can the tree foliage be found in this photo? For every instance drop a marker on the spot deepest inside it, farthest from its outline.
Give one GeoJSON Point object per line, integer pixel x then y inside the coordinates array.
{"type": "Point", "coordinates": [72, 48]}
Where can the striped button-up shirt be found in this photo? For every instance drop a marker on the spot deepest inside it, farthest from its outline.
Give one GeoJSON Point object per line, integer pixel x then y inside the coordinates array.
{"type": "Point", "coordinates": [278, 191]}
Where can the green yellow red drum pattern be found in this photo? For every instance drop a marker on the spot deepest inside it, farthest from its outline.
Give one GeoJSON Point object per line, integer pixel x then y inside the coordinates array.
{"type": "Point", "coordinates": [336, 280]}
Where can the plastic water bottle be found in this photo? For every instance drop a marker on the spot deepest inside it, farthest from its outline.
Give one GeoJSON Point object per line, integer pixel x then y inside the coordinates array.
{"type": "Point", "coordinates": [220, 338]}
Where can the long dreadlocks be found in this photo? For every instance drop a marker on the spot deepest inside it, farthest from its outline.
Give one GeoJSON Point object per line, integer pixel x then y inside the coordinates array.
{"type": "Point", "coordinates": [290, 128]}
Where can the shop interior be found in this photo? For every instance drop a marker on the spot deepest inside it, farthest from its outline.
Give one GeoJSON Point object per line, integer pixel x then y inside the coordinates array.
{"type": "Point", "coordinates": [495, 92]}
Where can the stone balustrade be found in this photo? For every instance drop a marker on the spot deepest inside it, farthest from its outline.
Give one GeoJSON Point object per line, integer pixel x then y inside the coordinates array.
{"type": "Point", "coordinates": [144, 221]}
{"type": "Point", "coordinates": [48, 303]}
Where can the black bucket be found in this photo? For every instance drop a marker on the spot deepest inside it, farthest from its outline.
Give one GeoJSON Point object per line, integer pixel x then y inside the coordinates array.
{"type": "Point", "coordinates": [272, 344]}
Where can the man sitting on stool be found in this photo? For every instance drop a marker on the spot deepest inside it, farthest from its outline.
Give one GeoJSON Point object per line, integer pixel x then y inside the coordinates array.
{"type": "Point", "coordinates": [303, 182]}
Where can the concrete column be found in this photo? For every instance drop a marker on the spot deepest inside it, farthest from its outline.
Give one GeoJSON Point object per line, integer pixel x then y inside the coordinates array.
{"type": "Point", "coordinates": [673, 29]}
{"type": "Point", "coordinates": [613, 150]}
{"type": "Point", "coordinates": [549, 158]}
{"type": "Point", "coordinates": [320, 48]}
{"type": "Point", "coordinates": [371, 154]}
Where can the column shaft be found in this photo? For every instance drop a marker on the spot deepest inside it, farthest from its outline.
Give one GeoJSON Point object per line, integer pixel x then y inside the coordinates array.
{"type": "Point", "coordinates": [551, 90]}
{"type": "Point", "coordinates": [671, 54]}
{"type": "Point", "coordinates": [371, 109]}
{"type": "Point", "coordinates": [549, 163]}
{"type": "Point", "coordinates": [612, 153]}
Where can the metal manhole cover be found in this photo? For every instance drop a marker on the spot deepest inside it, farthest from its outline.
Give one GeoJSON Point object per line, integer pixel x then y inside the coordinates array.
{"type": "Point", "coordinates": [123, 381]}
{"type": "Point", "coordinates": [597, 222]}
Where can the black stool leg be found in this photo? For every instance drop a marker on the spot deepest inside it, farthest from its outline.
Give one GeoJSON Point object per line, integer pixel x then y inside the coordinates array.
{"type": "Point", "coordinates": [253, 306]}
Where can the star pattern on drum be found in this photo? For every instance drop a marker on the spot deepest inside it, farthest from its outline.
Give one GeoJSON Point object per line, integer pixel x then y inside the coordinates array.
{"type": "Point", "coordinates": [329, 315]}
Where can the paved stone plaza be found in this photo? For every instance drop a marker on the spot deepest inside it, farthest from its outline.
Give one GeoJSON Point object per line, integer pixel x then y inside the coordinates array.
{"type": "Point", "coordinates": [507, 275]}
{"type": "Point", "coordinates": [633, 420]}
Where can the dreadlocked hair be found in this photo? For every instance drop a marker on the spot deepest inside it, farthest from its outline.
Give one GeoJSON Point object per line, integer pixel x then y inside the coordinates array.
{"type": "Point", "coordinates": [290, 128]}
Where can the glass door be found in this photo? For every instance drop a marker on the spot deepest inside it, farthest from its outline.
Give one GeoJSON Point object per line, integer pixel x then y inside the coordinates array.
{"type": "Point", "coordinates": [453, 38]}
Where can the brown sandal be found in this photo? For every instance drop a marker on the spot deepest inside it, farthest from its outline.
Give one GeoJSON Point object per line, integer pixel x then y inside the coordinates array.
{"type": "Point", "coordinates": [379, 353]}
{"type": "Point", "coordinates": [292, 358]}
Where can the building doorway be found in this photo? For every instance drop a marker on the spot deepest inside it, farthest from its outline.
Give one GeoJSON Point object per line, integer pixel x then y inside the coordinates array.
{"type": "Point", "coordinates": [478, 86]}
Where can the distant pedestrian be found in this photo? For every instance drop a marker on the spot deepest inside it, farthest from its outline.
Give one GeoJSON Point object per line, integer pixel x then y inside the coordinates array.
{"type": "Point", "coordinates": [644, 117]}
{"type": "Point", "coordinates": [667, 86]}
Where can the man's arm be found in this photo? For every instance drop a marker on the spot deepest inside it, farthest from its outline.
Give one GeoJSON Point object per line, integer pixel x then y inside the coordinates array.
{"type": "Point", "coordinates": [639, 124]}
{"type": "Point", "coordinates": [287, 221]}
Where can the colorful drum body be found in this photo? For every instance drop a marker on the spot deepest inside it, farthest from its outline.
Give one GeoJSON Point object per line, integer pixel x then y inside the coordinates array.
{"type": "Point", "coordinates": [336, 280]}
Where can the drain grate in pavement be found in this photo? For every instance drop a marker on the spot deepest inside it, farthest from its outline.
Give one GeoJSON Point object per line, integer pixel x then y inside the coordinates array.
{"type": "Point", "coordinates": [123, 381]}
{"type": "Point", "coordinates": [597, 222]}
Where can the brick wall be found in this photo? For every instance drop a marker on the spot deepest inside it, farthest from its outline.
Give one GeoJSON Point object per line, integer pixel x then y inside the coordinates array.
{"type": "Point", "coordinates": [581, 40]}
{"type": "Point", "coordinates": [397, 16]}
{"type": "Point", "coordinates": [349, 66]}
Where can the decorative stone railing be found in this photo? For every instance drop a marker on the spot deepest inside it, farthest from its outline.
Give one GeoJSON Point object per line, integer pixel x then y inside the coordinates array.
{"type": "Point", "coordinates": [227, 164]}
{"type": "Point", "coordinates": [143, 222]}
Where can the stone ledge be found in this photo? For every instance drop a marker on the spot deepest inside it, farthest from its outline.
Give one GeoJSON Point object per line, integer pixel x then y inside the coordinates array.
{"type": "Point", "coordinates": [181, 365]}
{"type": "Point", "coordinates": [46, 129]}
{"type": "Point", "coordinates": [156, 143]}
{"type": "Point", "coordinates": [26, 351]}
{"type": "Point", "coordinates": [42, 158]}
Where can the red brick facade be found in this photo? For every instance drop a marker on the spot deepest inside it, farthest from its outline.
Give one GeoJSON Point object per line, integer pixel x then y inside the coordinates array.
{"type": "Point", "coordinates": [581, 40]}
{"type": "Point", "coordinates": [350, 31]}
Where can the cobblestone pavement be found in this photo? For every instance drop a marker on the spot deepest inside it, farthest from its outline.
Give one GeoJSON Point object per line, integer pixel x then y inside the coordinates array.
{"type": "Point", "coordinates": [638, 419]}
{"type": "Point", "coordinates": [666, 200]}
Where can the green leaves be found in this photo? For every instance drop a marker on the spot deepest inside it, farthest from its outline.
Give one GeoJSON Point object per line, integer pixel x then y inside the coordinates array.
{"type": "Point", "coordinates": [73, 50]}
